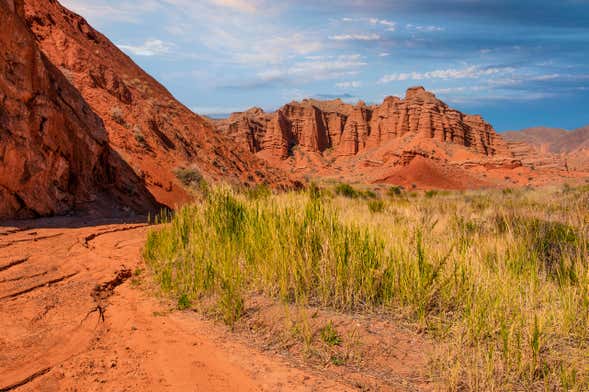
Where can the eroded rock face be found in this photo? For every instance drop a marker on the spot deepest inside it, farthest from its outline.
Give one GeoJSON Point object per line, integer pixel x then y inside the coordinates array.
{"type": "Point", "coordinates": [54, 154]}
{"type": "Point", "coordinates": [316, 126]}
{"type": "Point", "coordinates": [145, 124]}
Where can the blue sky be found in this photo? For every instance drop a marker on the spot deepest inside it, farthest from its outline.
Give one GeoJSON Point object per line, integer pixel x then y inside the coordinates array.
{"type": "Point", "coordinates": [518, 63]}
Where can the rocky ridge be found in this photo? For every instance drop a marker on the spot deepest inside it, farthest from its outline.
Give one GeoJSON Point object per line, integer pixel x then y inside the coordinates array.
{"type": "Point", "coordinates": [315, 126]}
{"type": "Point", "coordinates": [54, 152]}
{"type": "Point", "coordinates": [551, 147]}
{"type": "Point", "coordinates": [144, 123]}
{"type": "Point", "coordinates": [370, 142]}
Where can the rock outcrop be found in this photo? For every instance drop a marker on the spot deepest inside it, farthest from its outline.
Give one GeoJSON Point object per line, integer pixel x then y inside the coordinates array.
{"type": "Point", "coordinates": [144, 123]}
{"type": "Point", "coordinates": [554, 148]}
{"type": "Point", "coordinates": [348, 130]}
{"type": "Point", "coordinates": [369, 143]}
{"type": "Point", "coordinates": [54, 154]}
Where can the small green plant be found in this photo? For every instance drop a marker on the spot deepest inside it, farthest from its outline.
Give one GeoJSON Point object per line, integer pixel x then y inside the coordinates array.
{"type": "Point", "coordinates": [231, 304]}
{"type": "Point", "coordinates": [190, 177]}
{"type": "Point", "coordinates": [376, 206]}
{"type": "Point", "coordinates": [337, 360]}
{"type": "Point", "coordinates": [346, 190]}
{"type": "Point", "coordinates": [395, 191]}
{"type": "Point", "coordinates": [259, 191]}
{"type": "Point", "coordinates": [330, 336]}
{"type": "Point", "coordinates": [431, 193]}
{"type": "Point", "coordinates": [368, 194]}
{"type": "Point", "coordinates": [184, 302]}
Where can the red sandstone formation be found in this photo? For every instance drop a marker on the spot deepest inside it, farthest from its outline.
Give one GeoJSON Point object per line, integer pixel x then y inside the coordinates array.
{"type": "Point", "coordinates": [54, 154]}
{"type": "Point", "coordinates": [315, 126]}
{"type": "Point", "coordinates": [153, 132]}
{"type": "Point", "coordinates": [374, 143]}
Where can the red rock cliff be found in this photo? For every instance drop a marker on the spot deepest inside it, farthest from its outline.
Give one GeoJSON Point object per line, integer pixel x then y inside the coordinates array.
{"type": "Point", "coordinates": [316, 126]}
{"type": "Point", "coordinates": [54, 154]}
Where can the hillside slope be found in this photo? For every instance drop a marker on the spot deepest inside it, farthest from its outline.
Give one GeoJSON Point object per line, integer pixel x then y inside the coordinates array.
{"type": "Point", "coordinates": [54, 154]}
{"type": "Point", "coordinates": [145, 124]}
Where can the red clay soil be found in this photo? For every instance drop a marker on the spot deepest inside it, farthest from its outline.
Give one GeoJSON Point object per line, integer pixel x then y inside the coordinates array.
{"type": "Point", "coordinates": [71, 319]}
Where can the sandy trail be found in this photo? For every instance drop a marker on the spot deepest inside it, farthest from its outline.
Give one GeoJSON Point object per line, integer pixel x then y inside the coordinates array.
{"type": "Point", "coordinates": [72, 321]}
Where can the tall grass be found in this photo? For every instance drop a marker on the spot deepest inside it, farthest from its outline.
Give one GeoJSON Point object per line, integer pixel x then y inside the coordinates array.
{"type": "Point", "coordinates": [501, 279]}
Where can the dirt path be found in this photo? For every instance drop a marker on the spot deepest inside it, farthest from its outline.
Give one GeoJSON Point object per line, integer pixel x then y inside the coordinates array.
{"type": "Point", "coordinates": [72, 321]}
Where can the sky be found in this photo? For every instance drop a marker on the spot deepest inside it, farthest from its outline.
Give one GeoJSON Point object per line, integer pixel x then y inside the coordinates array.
{"type": "Point", "coordinates": [519, 63]}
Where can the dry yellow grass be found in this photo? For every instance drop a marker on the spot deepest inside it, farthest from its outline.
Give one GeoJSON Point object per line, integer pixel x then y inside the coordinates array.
{"type": "Point", "coordinates": [500, 278]}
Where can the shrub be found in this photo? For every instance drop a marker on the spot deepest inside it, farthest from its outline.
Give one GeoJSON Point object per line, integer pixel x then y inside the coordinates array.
{"type": "Point", "coordinates": [431, 193]}
{"type": "Point", "coordinates": [184, 302]}
{"type": "Point", "coordinates": [117, 115]}
{"type": "Point", "coordinates": [395, 191]}
{"type": "Point", "coordinates": [140, 138]}
{"type": "Point", "coordinates": [368, 194]}
{"type": "Point", "coordinates": [258, 191]}
{"type": "Point", "coordinates": [376, 206]}
{"type": "Point", "coordinates": [346, 190]}
{"type": "Point", "coordinates": [189, 177]}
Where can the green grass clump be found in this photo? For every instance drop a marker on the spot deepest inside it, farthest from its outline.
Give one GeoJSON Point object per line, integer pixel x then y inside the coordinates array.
{"type": "Point", "coordinates": [184, 302]}
{"type": "Point", "coordinates": [347, 190]}
{"type": "Point", "coordinates": [189, 177]}
{"type": "Point", "coordinates": [330, 336]}
{"type": "Point", "coordinates": [501, 279]}
{"type": "Point", "coordinates": [376, 206]}
{"type": "Point", "coordinates": [431, 193]}
{"type": "Point", "coordinates": [395, 191]}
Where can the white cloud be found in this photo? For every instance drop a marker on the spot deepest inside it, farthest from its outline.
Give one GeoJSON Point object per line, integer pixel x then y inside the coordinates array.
{"type": "Point", "coordinates": [275, 50]}
{"type": "Point", "coordinates": [472, 72]}
{"type": "Point", "coordinates": [153, 47]}
{"type": "Point", "coordinates": [355, 37]}
{"type": "Point", "coordinates": [389, 25]}
{"type": "Point", "coordinates": [424, 29]}
{"type": "Point", "coordinates": [346, 85]}
{"type": "Point", "coordinates": [238, 5]}
{"type": "Point", "coordinates": [384, 54]}
{"type": "Point", "coordinates": [319, 68]}
{"type": "Point", "coordinates": [107, 11]}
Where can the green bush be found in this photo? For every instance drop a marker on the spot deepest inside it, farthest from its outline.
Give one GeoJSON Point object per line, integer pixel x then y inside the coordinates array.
{"type": "Point", "coordinates": [346, 190]}
{"type": "Point", "coordinates": [191, 178]}
{"type": "Point", "coordinates": [376, 206]}
{"type": "Point", "coordinates": [395, 191]}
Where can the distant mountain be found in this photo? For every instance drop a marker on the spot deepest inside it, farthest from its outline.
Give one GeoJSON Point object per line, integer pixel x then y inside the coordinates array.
{"type": "Point", "coordinates": [570, 148]}
{"type": "Point", "coordinates": [556, 140]}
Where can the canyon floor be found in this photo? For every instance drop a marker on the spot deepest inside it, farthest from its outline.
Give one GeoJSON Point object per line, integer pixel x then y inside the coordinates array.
{"type": "Point", "coordinates": [74, 319]}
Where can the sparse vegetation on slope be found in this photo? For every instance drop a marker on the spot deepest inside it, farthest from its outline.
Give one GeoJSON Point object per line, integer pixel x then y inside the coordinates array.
{"type": "Point", "coordinates": [500, 280]}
